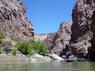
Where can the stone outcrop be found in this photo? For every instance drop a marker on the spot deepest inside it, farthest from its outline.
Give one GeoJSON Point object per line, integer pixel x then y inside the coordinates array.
{"type": "Point", "coordinates": [13, 22]}
{"type": "Point", "coordinates": [58, 40]}
{"type": "Point", "coordinates": [81, 27]}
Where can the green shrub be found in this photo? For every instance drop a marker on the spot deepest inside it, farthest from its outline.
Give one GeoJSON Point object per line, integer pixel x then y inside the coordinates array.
{"type": "Point", "coordinates": [1, 41]}
{"type": "Point", "coordinates": [41, 48]}
{"type": "Point", "coordinates": [1, 37]}
{"type": "Point", "coordinates": [0, 51]}
{"type": "Point", "coordinates": [25, 48]}
{"type": "Point", "coordinates": [14, 51]}
{"type": "Point", "coordinates": [30, 47]}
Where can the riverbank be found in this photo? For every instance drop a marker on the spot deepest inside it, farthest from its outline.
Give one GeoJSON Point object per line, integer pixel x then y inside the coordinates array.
{"type": "Point", "coordinates": [36, 58]}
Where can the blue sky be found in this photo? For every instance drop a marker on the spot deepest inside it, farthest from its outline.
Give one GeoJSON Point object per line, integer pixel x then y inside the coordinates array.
{"type": "Point", "coordinates": [46, 15]}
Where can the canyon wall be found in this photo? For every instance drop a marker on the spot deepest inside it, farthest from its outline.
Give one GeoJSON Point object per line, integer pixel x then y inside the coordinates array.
{"type": "Point", "coordinates": [13, 22]}
{"type": "Point", "coordinates": [92, 48]}
{"type": "Point", "coordinates": [82, 33]}
{"type": "Point", "coordinates": [57, 41]}
{"type": "Point", "coordinates": [79, 38]}
{"type": "Point", "coordinates": [81, 16]}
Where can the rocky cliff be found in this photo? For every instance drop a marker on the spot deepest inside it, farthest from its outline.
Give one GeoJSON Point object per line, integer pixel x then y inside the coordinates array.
{"type": "Point", "coordinates": [92, 48]}
{"type": "Point", "coordinates": [13, 22]}
{"type": "Point", "coordinates": [81, 16]}
{"type": "Point", "coordinates": [82, 32]}
{"type": "Point", "coordinates": [57, 41]}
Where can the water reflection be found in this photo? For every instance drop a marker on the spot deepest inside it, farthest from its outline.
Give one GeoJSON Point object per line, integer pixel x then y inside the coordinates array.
{"type": "Point", "coordinates": [77, 66]}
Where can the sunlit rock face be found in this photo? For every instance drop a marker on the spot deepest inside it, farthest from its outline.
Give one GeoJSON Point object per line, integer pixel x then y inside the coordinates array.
{"type": "Point", "coordinates": [81, 27]}
{"type": "Point", "coordinates": [13, 22]}
{"type": "Point", "coordinates": [58, 40]}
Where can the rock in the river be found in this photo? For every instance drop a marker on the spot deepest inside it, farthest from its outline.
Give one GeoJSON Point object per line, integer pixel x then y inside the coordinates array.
{"type": "Point", "coordinates": [55, 57]}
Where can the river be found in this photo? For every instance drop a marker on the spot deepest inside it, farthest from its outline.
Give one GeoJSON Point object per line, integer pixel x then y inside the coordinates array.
{"type": "Point", "coordinates": [53, 66]}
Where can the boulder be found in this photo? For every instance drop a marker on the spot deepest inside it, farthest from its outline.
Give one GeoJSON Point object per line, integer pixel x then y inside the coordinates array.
{"type": "Point", "coordinates": [36, 58]}
{"type": "Point", "coordinates": [55, 57]}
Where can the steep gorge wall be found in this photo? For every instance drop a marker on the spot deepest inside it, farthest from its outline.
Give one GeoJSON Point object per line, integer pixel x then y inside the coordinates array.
{"type": "Point", "coordinates": [92, 49]}
{"type": "Point", "coordinates": [13, 22]}
{"type": "Point", "coordinates": [82, 33]}
{"type": "Point", "coordinates": [81, 16]}
{"type": "Point", "coordinates": [57, 41]}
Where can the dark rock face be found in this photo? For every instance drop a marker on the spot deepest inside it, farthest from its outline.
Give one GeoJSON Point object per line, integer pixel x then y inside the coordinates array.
{"type": "Point", "coordinates": [58, 40]}
{"type": "Point", "coordinates": [81, 16]}
{"type": "Point", "coordinates": [81, 27]}
{"type": "Point", "coordinates": [13, 22]}
{"type": "Point", "coordinates": [92, 49]}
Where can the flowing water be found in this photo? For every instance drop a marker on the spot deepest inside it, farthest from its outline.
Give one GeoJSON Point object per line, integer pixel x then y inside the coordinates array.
{"type": "Point", "coordinates": [74, 66]}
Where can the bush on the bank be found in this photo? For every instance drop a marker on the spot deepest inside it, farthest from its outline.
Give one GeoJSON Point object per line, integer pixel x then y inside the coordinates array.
{"type": "Point", "coordinates": [0, 51]}
{"type": "Point", "coordinates": [28, 48]}
{"type": "Point", "coordinates": [40, 48]}
{"type": "Point", "coordinates": [0, 41]}
{"type": "Point", "coordinates": [25, 48]}
{"type": "Point", "coordinates": [14, 51]}
{"type": "Point", "coordinates": [1, 37]}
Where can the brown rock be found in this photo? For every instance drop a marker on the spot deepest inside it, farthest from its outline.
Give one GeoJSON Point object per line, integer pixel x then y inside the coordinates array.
{"type": "Point", "coordinates": [92, 49]}
{"type": "Point", "coordinates": [58, 40]}
{"type": "Point", "coordinates": [81, 27]}
{"type": "Point", "coordinates": [13, 22]}
{"type": "Point", "coordinates": [81, 16]}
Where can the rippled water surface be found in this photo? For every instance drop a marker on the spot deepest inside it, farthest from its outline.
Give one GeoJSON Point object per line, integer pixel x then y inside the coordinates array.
{"type": "Point", "coordinates": [77, 66]}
